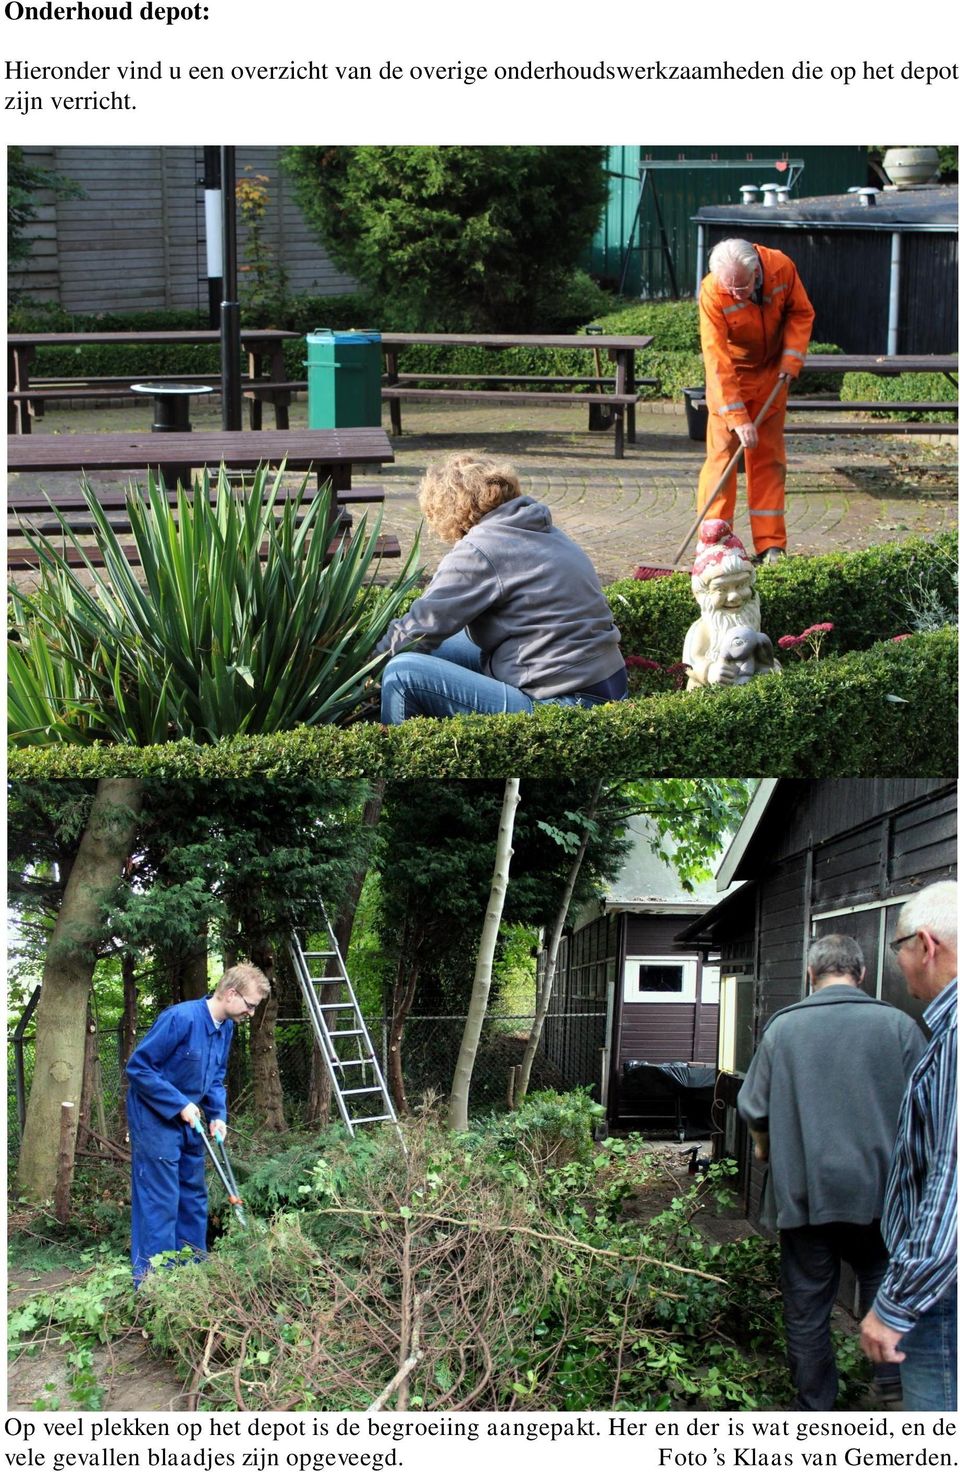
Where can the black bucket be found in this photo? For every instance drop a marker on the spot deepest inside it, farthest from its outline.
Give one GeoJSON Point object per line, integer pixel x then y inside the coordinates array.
{"type": "Point", "coordinates": [600, 417]}
{"type": "Point", "coordinates": [696, 417]}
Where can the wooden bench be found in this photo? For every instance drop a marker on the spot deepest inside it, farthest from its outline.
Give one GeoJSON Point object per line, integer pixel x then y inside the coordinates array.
{"type": "Point", "coordinates": [21, 558]}
{"type": "Point", "coordinates": [863, 426]}
{"type": "Point", "coordinates": [520, 388]}
{"type": "Point", "coordinates": [119, 390]}
{"type": "Point", "coordinates": [263, 348]}
{"type": "Point", "coordinates": [34, 510]}
{"type": "Point", "coordinates": [38, 511]}
{"type": "Point", "coordinates": [330, 453]}
{"type": "Point", "coordinates": [598, 382]}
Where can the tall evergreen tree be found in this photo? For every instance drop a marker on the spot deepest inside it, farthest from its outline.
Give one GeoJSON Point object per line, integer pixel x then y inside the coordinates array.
{"type": "Point", "coordinates": [455, 238]}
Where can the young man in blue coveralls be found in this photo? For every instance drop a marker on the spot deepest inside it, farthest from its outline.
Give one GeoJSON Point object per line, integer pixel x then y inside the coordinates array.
{"type": "Point", "coordinates": [178, 1070]}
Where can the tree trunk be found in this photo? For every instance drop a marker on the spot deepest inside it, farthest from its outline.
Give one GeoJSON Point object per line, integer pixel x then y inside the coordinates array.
{"type": "Point", "coordinates": [67, 977]}
{"type": "Point", "coordinates": [91, 1061]}
{"type": "Point", "coordinates": [265, 1069]}
{"type": "Point", "coordinates": [318, 1089]}
{"type": "Point", "coordinates": [128, 1029]}
{"type": "Point", "coordinates": [65, 1160]}
{"type": "Point", "coordinates": [545, 990]}
{"type": "Point", "coordinates": [194, 981]}
{"type": "Point", "coordinates": [458, 1111]}
{"type": "Point", "coordinates": [403, 994]}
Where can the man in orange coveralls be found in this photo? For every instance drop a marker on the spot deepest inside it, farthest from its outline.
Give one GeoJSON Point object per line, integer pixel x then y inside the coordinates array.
{"type": "Point", "coordinates": [755, 323]}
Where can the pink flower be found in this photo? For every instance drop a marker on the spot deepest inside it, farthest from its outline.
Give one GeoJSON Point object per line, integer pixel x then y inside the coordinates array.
{"type": "Point", "coordinates": [790, 641]}
{"type": "Point", "coordinates": [818, 629]}
{"type": "Point", "coordinates": [897, 638]}
{"type": "Point", "coordinates": [637, 662]}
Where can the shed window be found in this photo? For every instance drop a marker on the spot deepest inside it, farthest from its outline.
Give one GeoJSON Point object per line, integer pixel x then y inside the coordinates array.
{"type": "Point", "coordinates": [736, 1023]}
{"type": "Point", "coordinates": [660, 979]}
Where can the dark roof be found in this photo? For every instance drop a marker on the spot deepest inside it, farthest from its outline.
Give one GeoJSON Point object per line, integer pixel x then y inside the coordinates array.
{"type": "Point", "coordinates": [930, 207]}
{"type": "Point", "coordinates": [709, 929]}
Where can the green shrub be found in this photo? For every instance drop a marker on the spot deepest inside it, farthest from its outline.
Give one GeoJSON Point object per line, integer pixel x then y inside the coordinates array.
{"type": "Point", "coordinates": [135, 361]}
{"type": "Point", "coordinates": [675, 326]}
{"type": "Point", "coordinates": [455, 238]}
{"type": "Point", "coordinates": [866, 595]}
{"type": "Point", "coordinates": [902, 697]}
{"type": "Point", "coordinates": [550, 1129]}
{"type": "Point", "coordinates": [908, 387]}
{"type": "Point", "coordinates": [234, 615]}
{"type": "Point", "coordinates": [673, 359]}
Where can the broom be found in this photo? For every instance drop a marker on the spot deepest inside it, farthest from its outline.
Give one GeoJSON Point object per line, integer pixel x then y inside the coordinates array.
{"type": "Point", "coordinates": [643, 573]}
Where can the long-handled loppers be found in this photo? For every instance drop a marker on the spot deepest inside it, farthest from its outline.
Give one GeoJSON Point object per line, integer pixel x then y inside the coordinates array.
{"type": "Point", "coordinates": [223, 1168]}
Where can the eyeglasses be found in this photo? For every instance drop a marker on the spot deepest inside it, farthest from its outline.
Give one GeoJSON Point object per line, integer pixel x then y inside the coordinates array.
{"type": "Point", "coordinates": [746, 290]}
{"type": "Point", "coordinates": [901, 940]}
{"type": "Point", "coordinates": [250, 1006]}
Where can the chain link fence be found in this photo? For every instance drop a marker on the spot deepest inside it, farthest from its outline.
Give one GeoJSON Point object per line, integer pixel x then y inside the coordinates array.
{"type": "Point", "coordinates": [429, 1055]}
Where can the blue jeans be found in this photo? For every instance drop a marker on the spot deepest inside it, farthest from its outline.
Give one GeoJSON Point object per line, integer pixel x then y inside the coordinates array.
{"type": "Point", "coordinates": [449, 682]}
{"type": "Point", "coordinates": [929, 1372]}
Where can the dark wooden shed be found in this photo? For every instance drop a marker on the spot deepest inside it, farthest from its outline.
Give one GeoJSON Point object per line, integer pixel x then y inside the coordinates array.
{"type": "Point", "coordinates": [882, 278]}
{"type": "Point", "coordinates": [627, 1000]}
{"type": "Point", "coordinates": [812, 857]}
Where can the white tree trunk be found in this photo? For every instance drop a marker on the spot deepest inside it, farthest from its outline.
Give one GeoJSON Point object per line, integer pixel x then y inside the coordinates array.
{"type": "Point", "coordinates": [458, 1111]}
{"type": "Point", "coordinates": [545, 989]}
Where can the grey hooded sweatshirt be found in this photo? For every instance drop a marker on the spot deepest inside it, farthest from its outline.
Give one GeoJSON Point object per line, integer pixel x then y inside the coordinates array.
{"type": "Point", "coordinates": [527, 595]}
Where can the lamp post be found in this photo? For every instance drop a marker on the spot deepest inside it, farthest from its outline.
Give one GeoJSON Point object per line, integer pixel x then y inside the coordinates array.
{"type": "Point", "coordinates": [230, 306]}
{"type": "Point", "coordinates": [213, 223]}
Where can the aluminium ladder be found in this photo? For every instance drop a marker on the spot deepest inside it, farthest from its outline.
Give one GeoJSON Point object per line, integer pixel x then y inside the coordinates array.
{"type": "Point", "coordinates": [356, 1079]}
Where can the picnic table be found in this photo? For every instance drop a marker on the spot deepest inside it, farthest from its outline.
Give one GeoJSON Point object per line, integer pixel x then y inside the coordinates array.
{"type": "Point", "coordinates": [263, 346]}
{"type": "Point", "coordinates": [888, 365]}
{"type": "Point", "coordinates": [332, 453]}
{"type": "Point", "coordinates": [618, 394]}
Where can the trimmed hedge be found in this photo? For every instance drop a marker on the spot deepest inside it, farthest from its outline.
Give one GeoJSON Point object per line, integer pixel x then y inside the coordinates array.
{"type": "Point", "coordinates": [907, 387]}
{"type": "Point", "coordinates": [865, 714]}
{"type": "Point", "coordinates": [865, 595]}
{"type": "Point", "coordinates": [673, 359]}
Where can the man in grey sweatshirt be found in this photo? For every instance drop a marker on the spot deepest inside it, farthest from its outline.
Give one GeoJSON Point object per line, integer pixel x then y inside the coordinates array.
{"type": "Point", "coordinates": [822, 1098]}
{"type": "Point", "coordinates": [514, 614]}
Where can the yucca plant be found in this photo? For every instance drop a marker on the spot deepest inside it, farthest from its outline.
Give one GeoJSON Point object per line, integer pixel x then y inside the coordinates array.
{"type": "Point", "coordinates": [239, 619]}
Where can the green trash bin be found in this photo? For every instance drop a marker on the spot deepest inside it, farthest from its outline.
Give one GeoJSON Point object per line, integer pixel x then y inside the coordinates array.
{"type": "Point", "coordinates": [343, 379]}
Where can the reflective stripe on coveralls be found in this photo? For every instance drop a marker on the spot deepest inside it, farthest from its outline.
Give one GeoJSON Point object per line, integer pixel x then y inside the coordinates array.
{"type": "Point", "coordinates": [766, 471]}
{"type": "Point", "coordinates": [746, 345]}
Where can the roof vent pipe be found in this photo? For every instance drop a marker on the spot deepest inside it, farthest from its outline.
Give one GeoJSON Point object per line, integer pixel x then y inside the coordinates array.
{"type": "Point", "coordinates": [867, 197]}
{"type": "Point", "coordinates": [749, 194]}
{"type": "Point", "coordinates": [769, 194]}
{"type": "Point", "coordinates": [783, 194]}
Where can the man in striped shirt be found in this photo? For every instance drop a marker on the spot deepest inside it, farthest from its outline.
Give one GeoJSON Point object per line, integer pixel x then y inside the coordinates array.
{"type": "Point", "coordinates": [913, 1320]}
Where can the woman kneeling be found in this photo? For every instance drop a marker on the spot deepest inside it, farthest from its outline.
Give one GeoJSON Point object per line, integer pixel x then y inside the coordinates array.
{"type": "Point", "coordinates": [514, 615]}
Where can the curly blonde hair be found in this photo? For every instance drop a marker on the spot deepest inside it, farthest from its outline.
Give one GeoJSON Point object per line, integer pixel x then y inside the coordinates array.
{"type": "Point", "coordinates": [458, 491]}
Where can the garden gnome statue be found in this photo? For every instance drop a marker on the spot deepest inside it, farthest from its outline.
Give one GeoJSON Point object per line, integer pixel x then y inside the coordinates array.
{"type": "Point", "coordinates": [725, 645]}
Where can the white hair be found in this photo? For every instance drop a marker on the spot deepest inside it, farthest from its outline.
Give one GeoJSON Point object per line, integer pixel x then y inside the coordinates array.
{"type": "Point", "coordinates": [729, 256]}
{"type": "Point", "coordinates": [933, 909]}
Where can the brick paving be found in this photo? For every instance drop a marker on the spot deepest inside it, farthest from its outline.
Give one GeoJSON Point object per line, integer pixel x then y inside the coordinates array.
{"type": "Point", "coordinates": [842, 491]}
